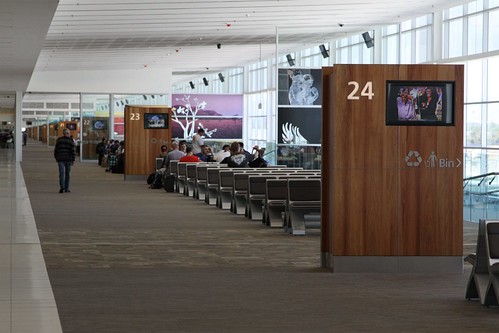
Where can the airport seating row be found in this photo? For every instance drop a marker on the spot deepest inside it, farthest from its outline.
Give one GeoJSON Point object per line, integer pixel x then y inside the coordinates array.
{"type": "Point", "coordinates": [483, 283]}
{"type": "Point", "coordinates": [277, 196]}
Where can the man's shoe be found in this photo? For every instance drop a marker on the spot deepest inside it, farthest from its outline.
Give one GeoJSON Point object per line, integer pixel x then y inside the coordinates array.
{"type": "Point", "coordinates": [61, 190]}
{"type": "Point", "coordinates": [68, 191]}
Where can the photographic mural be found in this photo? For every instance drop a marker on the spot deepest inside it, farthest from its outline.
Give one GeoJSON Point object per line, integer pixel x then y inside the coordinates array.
{"type": "Point", "coordinates": [221, 116]}
{"type": "Point", "coordinates": [300, 86]}
{"type": "Point", "coordinates": [299, 126]}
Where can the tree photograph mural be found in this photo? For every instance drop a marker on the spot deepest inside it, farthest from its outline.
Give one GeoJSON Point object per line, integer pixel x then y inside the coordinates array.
{"type": "Point", "coordinates": [219, 115]}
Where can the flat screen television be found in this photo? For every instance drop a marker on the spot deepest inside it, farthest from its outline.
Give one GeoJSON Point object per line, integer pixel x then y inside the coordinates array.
{"type": "Point", "coordinates": [71, 126]}
{"type": "Point", "coordinates": [155, 120]}
{"type": "Point", "coordinates": [99, 125]}
{"type": "Point", "coordinates": [420, 103]}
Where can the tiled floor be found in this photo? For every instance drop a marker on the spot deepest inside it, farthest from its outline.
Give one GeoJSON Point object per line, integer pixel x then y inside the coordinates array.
{"type": "Point", "coordinates": [26, 300]}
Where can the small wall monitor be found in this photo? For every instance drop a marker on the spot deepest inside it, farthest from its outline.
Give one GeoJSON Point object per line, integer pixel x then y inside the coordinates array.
{"type": "Point", "coordinates": [420, 103]}
{"type": "Point", "coordinates": [155, 120]}
{"type": "Point", "coordinates": [71, 126]}
{"type": "Point", "coordinates": [99, 125]}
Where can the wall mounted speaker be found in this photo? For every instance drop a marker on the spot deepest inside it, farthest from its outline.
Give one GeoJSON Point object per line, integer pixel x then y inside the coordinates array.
{"type": "Point", "coordinates": [368, 39]}
{"type": "Point", "coordinates": [291, 61]}
{"type": "Point", "coordinates": [221, 77]}
{"type": "Point", "coordinates": [325, 53]}
{"type": "Point", "coordinates": [205, 81]}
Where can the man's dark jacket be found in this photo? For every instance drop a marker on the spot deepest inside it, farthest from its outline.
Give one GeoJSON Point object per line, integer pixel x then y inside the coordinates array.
{"type": "Point", "coordinates": [64, 150]}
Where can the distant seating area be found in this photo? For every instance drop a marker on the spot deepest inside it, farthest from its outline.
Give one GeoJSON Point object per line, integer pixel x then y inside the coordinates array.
{"type": "Point", "coordinates": [277, 196]}
{"type": "Point", "coordinates": [483, 283]}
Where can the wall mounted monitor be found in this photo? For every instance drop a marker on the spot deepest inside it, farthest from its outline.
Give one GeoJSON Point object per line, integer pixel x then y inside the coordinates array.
{"type": "Point", "coordinates": [99, 125]}
{"type": "Point", "coordinates": [420, 103]}
{"type": "Point", "coordinates": [155, 120]}
{"type": "Point", "coordinates": [71, 126]}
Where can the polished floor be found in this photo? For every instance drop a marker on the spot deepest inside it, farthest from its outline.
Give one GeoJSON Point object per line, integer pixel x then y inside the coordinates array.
{"type": "Point", "coordinates": [124, 258]}
{"type": "Point", "coordinates": [26, 299]}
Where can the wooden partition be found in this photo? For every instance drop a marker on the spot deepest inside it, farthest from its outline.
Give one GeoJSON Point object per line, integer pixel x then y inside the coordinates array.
{"type": "Point", "coordinates": [143, 145]}
{"type": "Point", "coordinates": [43, 133]}
{"type": "Point", "coordinates": [392, 195]}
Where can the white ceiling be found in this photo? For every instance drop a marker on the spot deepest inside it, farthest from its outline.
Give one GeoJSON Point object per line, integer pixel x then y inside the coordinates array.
{"type": "Point", "coordinates": [181, 35]}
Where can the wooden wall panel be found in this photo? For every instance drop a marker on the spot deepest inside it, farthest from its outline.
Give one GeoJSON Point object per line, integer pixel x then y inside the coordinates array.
{"type": "Point", "coordinates": [363, 163]}
{"type": "Point", "coordinates": [142, 146]}
{"type": "Point", "coordinates": [433, 195]}
{"type": "Point", "coordinates": [326, 161]}
{"type": "Point", "coordinates": [374, 204]}
{"type": "Point", "coordinates": [43, 133]}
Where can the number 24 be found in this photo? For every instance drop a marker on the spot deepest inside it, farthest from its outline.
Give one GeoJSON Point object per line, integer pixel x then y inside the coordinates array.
{"type": "Point", "coordinates": [367, 91]}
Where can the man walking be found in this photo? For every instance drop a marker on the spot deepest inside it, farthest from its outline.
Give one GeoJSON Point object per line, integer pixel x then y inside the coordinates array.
{"type": "Point", "coordinates": [64, 154]}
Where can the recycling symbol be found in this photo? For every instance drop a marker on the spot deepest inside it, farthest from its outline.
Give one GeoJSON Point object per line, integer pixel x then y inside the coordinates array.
{"type": "Point", "coordinates": [413, 159]}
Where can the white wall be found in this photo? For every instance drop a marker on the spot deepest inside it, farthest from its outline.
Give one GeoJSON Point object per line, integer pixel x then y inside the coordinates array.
{"type": "Point", "coordinates": [138, 81]}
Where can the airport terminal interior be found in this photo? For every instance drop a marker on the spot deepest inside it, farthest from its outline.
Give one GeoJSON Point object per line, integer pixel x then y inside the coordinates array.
{"type": "Point", "coordinates": [115, 255]}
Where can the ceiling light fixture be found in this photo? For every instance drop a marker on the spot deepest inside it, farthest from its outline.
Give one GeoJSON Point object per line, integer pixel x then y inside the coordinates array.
{"type": "Point", "coordinates": [192, 85]}
{"type": "Point", "coordinates": [205, 81]}
{"type": "Point", "coordinates": [221, 77]}
{"type": "Point", "coordinates": [325, 53]}
{"type": "Point", "coordinates": [368, 39]}
{"type": "Point", "coordinates": [291, 61]}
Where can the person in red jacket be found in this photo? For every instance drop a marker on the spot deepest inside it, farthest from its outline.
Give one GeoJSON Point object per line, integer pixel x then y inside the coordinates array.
{"type": "Point", "coordinates": [189, 157]}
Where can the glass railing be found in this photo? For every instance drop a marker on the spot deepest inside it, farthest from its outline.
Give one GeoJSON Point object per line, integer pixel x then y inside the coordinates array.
{"type": "Point", "coordinates": [481, 183]}
{"type": "Point", "coordinates": [481, 197]}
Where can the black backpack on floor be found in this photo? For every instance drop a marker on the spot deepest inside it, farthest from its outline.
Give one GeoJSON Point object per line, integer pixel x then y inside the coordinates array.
{"type": "Point", "coordinates": [150, 178]}
{"type": "Point", "coordinates": [157, 183]}
{"type": "Point", "coordinates": [169, 182]}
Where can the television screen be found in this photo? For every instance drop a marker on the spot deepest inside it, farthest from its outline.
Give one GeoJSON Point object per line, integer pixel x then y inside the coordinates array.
{"type": "Point", "coordinates": [71, 126]}
{"type": "Point", "coordinates": [99, 125]}
{"type": "Point", "coordinates": [156, 120]}
{"type": "Point", "coordinates": [418, 103]}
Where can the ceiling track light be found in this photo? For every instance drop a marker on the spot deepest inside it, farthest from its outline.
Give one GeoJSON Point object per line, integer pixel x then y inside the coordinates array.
{"type": "Point", "coordinates": [221, 77]}
{"type": "Point", "coordinates": [205, 81]}
{"type": "Point", "coordinates": [368, 39]}
{"type": "Point", "coordinates": [291, 61]}
{"type": "Point", "coordinates": [219, 46]}
{"type": "Point", "coordinates": [325, 53]}
{"type": "Point", "coordinates": [192, 85]}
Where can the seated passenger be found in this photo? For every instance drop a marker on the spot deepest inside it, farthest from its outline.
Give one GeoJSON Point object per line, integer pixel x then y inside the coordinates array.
{"type": "Point", "coordinates": [237, 158]}
{"type": "Point", "coordinates": [189, 157]}
{"type": "Point", "coordinates": [249, 156]}
{"type": "Point", "coordinates": [174, 155]}
{"type": "Point", "coordinates": [163, 152]}
{"type": "Point", "coordinates": [258, 160]}
{"type": "Point", "coordinates": [182, 146]}
{"type": "Point", "coordinates": [205, 155]}
{"type": "Point", "coordinates": [225, 152]}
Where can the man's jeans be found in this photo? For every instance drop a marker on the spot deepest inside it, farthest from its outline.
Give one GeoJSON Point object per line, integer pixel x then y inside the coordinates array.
{"type": "Point", "coordinates": [64, 175]}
